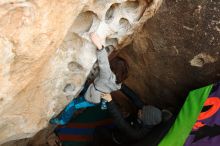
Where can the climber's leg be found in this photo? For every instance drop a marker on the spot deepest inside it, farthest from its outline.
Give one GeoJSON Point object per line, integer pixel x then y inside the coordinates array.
{"type": "Point", "coordinates": [84, 104]}
{"type": "Point", "coordinates": [66, 115]}
{"type": "Point", "coordinates": [68, 112]}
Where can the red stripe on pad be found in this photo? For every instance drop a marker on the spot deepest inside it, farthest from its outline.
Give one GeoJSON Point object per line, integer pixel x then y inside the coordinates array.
{"type": "Point", "coordinates": [74, 138]}
{"type": "Point", "coordinates": [87, 125]}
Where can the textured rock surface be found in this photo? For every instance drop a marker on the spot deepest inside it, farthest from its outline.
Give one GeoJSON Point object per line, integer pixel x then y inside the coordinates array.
{"type": "Point", "coordinates": [45, 54]}
{"type": "Point", "coordinates": [177, 50]}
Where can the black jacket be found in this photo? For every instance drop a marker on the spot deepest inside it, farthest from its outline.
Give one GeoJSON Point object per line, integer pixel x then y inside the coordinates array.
{"type": "Point", "coordinates": [126, 132]}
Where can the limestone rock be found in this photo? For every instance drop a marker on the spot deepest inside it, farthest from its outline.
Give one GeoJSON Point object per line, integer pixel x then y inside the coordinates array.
{"type": "Point", "coordinates": [46, 54]}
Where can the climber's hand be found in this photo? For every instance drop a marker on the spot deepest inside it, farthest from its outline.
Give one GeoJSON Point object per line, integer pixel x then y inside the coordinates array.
{"type": "Point", "coordinates": [96, 40]}
{"type": "Point", "coordinates": [107, 97]}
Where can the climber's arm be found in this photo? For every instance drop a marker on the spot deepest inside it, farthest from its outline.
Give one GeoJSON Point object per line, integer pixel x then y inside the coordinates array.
{"type": "Point", "coordinates": [131, 132]}
{"type": "Point", "coordinates": [102, 57]}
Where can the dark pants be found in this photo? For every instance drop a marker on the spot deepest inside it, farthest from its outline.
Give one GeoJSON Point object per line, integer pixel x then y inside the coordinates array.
{"type": "Point", "coordinates": [103, 137]}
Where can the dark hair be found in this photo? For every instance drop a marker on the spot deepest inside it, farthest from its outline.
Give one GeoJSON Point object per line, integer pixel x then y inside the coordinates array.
{"type": "Point", "coordinates": [119, 67]}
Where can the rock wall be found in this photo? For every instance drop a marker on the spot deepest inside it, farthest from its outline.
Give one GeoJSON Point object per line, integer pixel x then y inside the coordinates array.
{"type": "Point", "coordinates": [176, 50]}
{"type": "Point", "coordinates": [46, 55]}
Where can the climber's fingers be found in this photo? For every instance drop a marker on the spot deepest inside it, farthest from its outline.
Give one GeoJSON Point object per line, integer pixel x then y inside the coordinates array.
{"type": "Point", "coordinates": [96, 40]}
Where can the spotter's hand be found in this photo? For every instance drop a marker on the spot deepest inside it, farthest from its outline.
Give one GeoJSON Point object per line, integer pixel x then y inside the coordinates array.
{"type": "Point", "coordinates": [107, 97]}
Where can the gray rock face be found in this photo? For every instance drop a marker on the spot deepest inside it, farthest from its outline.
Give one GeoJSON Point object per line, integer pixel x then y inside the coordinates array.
{"type": "Point", "coordinates": [177, 50]}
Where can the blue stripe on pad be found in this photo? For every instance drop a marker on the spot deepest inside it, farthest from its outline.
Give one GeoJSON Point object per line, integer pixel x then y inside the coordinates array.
{"type": "Point", "coordinates": [75, 131]}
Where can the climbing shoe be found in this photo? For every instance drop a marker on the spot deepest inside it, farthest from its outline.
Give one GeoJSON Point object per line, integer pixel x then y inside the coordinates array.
{"type": "Point", "coordinates": [56, 121]}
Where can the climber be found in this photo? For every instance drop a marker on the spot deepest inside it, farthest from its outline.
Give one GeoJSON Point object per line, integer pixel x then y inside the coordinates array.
{"type": "Point", "coordinates": [130, 129]}
{"type": "Point", "coordinates": [109, 79]}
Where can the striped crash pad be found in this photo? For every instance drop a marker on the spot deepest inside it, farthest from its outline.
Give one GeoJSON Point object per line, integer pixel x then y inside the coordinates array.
{"type": "Point", "coordinates": [79, 131]}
